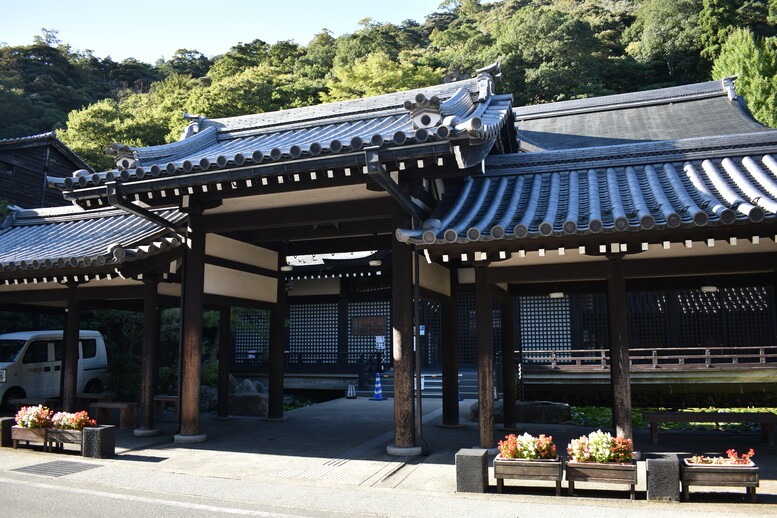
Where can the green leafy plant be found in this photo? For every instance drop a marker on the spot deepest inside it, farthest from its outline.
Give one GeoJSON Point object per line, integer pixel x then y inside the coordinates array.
{"type": "Point", "coordinates": [124, 377]}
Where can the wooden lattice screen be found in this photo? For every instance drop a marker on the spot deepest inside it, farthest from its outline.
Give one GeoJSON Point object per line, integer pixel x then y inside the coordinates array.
{"type": "Point", "coordinates": [251, 338]}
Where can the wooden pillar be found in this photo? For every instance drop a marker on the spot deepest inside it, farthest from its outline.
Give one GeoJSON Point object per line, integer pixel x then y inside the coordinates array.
{"type": "Point", "coordinates": [224, 356]}
{"type": "Point", "coordinates": [69, 375]}
{"type": "Point", "coordinates": [191, 332]}
{"type": "Point", "coordinates": [450, 357]}
{"type": "Point", "coordinates": [508, 364]}
{"type": "Point", "coordinates": [277, 347]}
{"type": "Point", "coordinates": [402, 340]}
{"type": "Point", "coordinates": [620, 375]}
{"type": "Point", "coordinates": [484, 325]}
{"type": "Point", "coordinates": [150, 359]}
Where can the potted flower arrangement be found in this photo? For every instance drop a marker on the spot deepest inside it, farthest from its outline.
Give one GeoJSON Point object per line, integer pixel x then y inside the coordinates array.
{"type": "Point", "coordinates": [529, 458]}
{"type": "Point", "coordinates": [733, 470]}
{"type": "Point", "coordinates": [31, 425]}
{"type": "Point", "coordinates": [600, 457]}
{"type": "Point", "coordinates": [67, 427]}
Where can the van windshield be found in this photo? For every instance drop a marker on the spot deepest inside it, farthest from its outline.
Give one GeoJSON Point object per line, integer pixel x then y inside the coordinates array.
{"type": "Point", "coordinates": [9, 350]}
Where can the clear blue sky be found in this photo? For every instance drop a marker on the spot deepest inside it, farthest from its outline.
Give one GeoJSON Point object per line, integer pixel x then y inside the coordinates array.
{"type": "Point", "coordinates": [148, 30]}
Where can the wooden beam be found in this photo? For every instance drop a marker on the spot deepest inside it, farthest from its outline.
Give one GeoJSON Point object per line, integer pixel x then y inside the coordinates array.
{"type": "Point", "coordinates": [485, 356]}
{"type": "Point", "coordinates": [69, 366]}
{"type": "Point", "coordinates": [191, 333]}
{"type": "Point", "coordinates": [617, 317]}
{"type": "Point", "coordinates": [277, 346]}
{"type": "Point", "coordinates": [508, 364]}
{"type": "Point", "coordinates": [307, 231]}
{"type": "Point", "coordinates": [150, 360]}
{"type": "Point", "coordinates": [283, 217]}
{"type": "Point", "coordinates": [84, 293]}
{"type": "Point", "coordinates": [402, 340]}
{"type": "Point", "coordinates": [450, 357]}
{"type": "Point", "coordinates": [225, 346]}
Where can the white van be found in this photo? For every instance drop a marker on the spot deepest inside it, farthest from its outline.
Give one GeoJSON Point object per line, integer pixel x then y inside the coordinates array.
{"type": "Point", "coordinates": [31, 364]}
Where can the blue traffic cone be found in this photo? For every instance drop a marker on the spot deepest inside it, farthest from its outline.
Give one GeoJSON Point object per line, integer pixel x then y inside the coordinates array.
{"type": "Point", "coordinates": [378, 396]}
{"type": "Point", "coordinates": [460, 398]}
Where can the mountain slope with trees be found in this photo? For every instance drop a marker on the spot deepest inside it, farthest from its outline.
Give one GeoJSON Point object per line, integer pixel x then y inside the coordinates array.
{"type": "Point", "coordinates": [551, 50]}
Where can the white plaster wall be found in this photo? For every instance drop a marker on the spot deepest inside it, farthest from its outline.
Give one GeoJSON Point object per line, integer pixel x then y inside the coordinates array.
{"type": "Point", "coordinates": [225, 248]}
{"type": "Point", "coordinates": [435, 277]}
{"type": "Point", "coordinates": [231, 283]}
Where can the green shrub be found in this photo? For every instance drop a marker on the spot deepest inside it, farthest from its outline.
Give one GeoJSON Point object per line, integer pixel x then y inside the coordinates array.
{"type": "Point", "coordinates": [124, 377]}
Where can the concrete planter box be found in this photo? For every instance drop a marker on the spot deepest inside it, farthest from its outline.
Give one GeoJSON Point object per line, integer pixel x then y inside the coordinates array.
{"type": "Point", "coordinates": [603, 473]}
{"type": "Point", "coordinates": [528, 469]}
{"type": "Point", "coordinates": [721, 475]}
{"type": "Point", "coordinates": [95, 441]}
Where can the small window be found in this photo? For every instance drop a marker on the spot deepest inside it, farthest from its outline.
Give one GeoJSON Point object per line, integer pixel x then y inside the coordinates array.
{"type": "Point", "coordinates": [89, 348]}
{"type": "Point", "coordinates": [37, 352]}
{"type": "Point", "coordinates": [59, 346]}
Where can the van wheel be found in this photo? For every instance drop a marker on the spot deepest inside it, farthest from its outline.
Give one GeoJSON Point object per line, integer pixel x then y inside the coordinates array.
{"type": "Point", "coordinates": [14, 393]}
{"type": "Point", "coordinates": [93, 387]}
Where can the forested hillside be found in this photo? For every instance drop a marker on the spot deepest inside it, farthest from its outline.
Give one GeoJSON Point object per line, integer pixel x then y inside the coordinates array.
{"type": "Point", "coordinates": [550, 50]}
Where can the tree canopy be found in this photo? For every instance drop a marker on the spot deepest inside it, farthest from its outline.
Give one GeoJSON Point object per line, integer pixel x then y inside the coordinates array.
{"type": "Point", "coordinates": [550, 50]}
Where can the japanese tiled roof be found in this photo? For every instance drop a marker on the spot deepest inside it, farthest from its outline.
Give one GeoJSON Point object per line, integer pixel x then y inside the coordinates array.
{"type": "Point", "coordinates": [703, 182]}
{"type": "Point", "coordinates": [463, 111]}
{"type": "Point", "coordinates": [688, 111]}
{"type": "Point", "coordinates": [36, 242]}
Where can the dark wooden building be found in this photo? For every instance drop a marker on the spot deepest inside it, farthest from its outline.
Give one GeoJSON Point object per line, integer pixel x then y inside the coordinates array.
{"type": "Point", "coordinates": [500, 218]}
{"type": "Point", "coordinates": [25, 164]}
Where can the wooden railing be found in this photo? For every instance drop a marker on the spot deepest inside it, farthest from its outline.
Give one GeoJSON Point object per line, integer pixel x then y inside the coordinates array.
{"type": "Point", "coordinates": [672, 358]}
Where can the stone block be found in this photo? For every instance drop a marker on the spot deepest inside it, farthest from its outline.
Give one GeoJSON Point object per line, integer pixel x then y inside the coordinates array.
{"type": "Point", "coordinates": [99, 441]}
{"type": "Point", "coordinates": [663, 477]}
{"type": "Point", "coordinates": [471, 470]}
{"type": "Point", "coordinates": [6, 423]}
{"type": "Point", "coordinates": [248, 404]}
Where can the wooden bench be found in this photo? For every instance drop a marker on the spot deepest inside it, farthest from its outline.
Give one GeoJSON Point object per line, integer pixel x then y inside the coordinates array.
{"type": "Point", "coordinates": [161, 401]}
{"type": "Point", "coordinates": [85, 399]}
{"type": "Point", "coordinates": [765, 419]}
{"type": "Point", "coordinates": [101, 411]}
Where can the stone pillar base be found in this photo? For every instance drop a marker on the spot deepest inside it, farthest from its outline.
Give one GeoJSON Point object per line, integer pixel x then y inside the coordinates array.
{"type": "Point", "coordinates": [413, 451]}
{"type": "Point", "coordinates": [189, 439]}
{"type": "Point", "coordinates": [145, 432]}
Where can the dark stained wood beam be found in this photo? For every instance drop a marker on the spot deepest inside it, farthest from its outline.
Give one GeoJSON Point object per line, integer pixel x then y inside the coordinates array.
{"type": "Point", "coordinates": [618, 318]}
{"type": "Point", "coordinates": [508, 364]}
{"type": "Point", "coordinates": [69, 366]}
{"type": "Point", "coordinates": [485, 356]}
{"type": "Point", "coordinates": [341, 230]}
{"type": "Point", "coordinates": [638, 268]}
{"type": "Point", "coordinates": [312, 214]}
{"type": "Point", "coordinates": [277, 347]}
{"type": "Point", "coordinates": [402, 341]}
{"type": "Point", "coordinates": [191, 333]}
{"type": "Point", "coordinates": [150, 360]}
{"type": "Point", "coordinates": [450, 357]}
